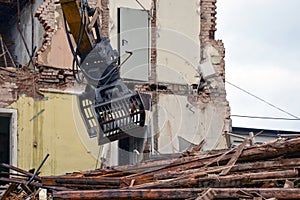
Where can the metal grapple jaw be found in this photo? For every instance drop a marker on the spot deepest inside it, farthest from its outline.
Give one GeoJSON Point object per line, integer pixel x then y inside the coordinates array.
{"type": "Point", "coordinates": [114, 116]}
{"type": "Point", "coordinates": [120, 118]}
{"type": "Point", "coordinates": [120, 113]}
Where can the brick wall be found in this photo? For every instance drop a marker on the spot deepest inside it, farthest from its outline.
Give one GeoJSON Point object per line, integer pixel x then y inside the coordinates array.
{"type": "Point", "coordinates": [208, 29]}
{"type": "Point", "coordinates": [45, 14]}
{"type": "Point", "coordinates": [207, 37]}
{"type": "Point", "coordinates": [17, 81]}
{"type": "Point", "coordinates": [153, 57]}
{"type": "Point", "coordinates": [14, 82]}
{"type": "Point", "coordinates": [104, 16]}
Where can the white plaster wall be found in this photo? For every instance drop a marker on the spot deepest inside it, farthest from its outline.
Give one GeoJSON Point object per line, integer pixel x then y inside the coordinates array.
{"type": "Point", "coordinates": [178, 57]}
{"type": "Point", "coordinates": [178, 41]}
{"type": "Point", "coordinates": [177, 117]}
{"type": "Point", "coordinates": [178, 44]}
{"type": "Point", "coordinates": [110, 151]}
{"type": "Point", "coordinates": [113, 13]}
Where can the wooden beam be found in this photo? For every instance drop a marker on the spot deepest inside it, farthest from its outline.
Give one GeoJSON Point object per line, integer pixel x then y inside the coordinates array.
{"type": "Point", "coordinates": [278, 193]}
{"type": "Point", "coordinates": [20, 171]}
{"type": "Point", "coordinates": [81, 181]}
{"type": "Point", "coordinates": [262, 165]}
{"type": "Point", "coordinates": [179, 193]}
{"type": "Point", "coordinates": [3, 50]}
{"type": "Point", "coordinates": [234, 180]}
{"type": "Point", "coordinates": [235, 157]}
{"type": "Point", "coordinates": [265, 151]}
{"type": "Point", "coordinates": [207, 195]}
{"type": "Point", "coordinates": [130, 194]}
{"type": "Point", "coordinates": [11, 188]}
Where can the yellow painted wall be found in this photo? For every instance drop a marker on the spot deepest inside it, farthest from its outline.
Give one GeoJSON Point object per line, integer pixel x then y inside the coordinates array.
{"type": "Point", "coordinates": [53, 126]}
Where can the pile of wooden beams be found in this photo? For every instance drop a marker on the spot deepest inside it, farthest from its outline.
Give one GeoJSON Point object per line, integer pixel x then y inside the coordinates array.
{"type": "Point", "coordinates": [268, 171]}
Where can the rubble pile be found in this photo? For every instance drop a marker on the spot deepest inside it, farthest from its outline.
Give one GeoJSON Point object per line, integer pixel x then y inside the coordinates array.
{"type": "Point", "coordinates": [267, 171]}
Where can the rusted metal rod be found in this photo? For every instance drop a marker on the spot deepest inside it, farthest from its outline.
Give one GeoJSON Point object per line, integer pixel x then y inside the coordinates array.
{"type": "Point", "coordinates": [38, 169]}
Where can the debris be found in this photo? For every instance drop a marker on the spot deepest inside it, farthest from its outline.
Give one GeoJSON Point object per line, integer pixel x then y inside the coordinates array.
{"type": "Point", "coordinates": [3, 53]}
{"type": "Point", "coordinates": [234, 157]}
{"type": "Point", "coordinates": [268, 171]}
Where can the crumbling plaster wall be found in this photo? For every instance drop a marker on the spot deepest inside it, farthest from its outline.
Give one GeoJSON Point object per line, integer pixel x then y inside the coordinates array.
{"type": "Point", "coordinates": [42, 35]}
{"type": "Point", "coordinates": [193, 115]}
{"type": "Point", "coordinates": [48, 122]}
{"type": "Point", "coordinates": [199, 114]}
{"type": "Point", "coordinates": [53, 125]}
{"type": "Point", "coordinates": [177, 52]}
{"type": "Point", "coordinates": [55, 50]}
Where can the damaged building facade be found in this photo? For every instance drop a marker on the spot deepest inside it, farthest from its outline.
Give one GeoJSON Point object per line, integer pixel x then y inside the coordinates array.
{"type": "Point", "coordinates": [178, 66]}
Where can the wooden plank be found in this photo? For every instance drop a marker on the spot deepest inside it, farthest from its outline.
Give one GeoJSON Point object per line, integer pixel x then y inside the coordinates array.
{"type": "Point", "coordinates": [271, 149]}
{"type": "Point", "coordinates": [130, 194]}
{"type": "Point", "coordinates": [18, 181]}
{"type": "Point", "coordinates": [278, 193]}
{"type": "Point", "coordinates": [265, 151]}
{"type": "Point", "coordinates": [235, 157]}
{"type": "Point", "coordinates": [219, 158]}
{"type": "Point", "coordinates": [26, 189]}
{"type": "Point", "coordinates": [10, 57]}
{"type": "Point", "coordinates": [276, 164]}
{"type": "Point", "coordinates": [94, 19]}
{"type": "Point", "coordinates": [244, 179]}
{"type": "Point", "coordinates": [207, 195]}
{"type": "Point", "coordinates": [178, 193]}
{"type": "Point", "coordinates": [236, 180]}
{"type": "Point", "coordinates": [3, 51]}
{"type": "Point", "coordinates": [82, 180]}
{"type": "Point", "coordinates": [10, 188]}
{"type": "Point", "coordinates": [195, 172]}
{"type": "Point", "coordinates": [20, 171]}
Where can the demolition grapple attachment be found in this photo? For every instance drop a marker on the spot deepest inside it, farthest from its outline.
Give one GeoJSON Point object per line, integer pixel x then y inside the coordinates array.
{"type": "Point", "coordinates": [119, 111]}
{"type": "Point", "coordinates": [120, 118]}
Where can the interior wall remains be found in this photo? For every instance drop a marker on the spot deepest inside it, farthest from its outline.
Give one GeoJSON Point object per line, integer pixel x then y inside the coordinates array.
{"type": "Point", "coordinates": [186, 104]}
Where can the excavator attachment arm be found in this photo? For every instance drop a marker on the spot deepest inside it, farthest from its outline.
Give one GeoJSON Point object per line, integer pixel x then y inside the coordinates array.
{"type": "Point", "coordinates": [119, 112]}
{"type": "Point", "coordinates": [74, 19]}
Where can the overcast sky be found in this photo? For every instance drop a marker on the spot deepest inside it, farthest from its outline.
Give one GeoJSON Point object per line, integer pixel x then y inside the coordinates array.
{"type": "Point", "coordinates": [262, 44]}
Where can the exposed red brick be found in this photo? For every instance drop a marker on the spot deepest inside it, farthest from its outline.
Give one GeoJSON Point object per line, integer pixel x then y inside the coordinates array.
{"type": "Point", "coordinates": [46, 16]}
{"type": "Point", "coordinates": [17, 81]}
{"type": "Point", "coordinates": [104, 15]}
{"type": "Point", "coordinates": [207, 37]}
